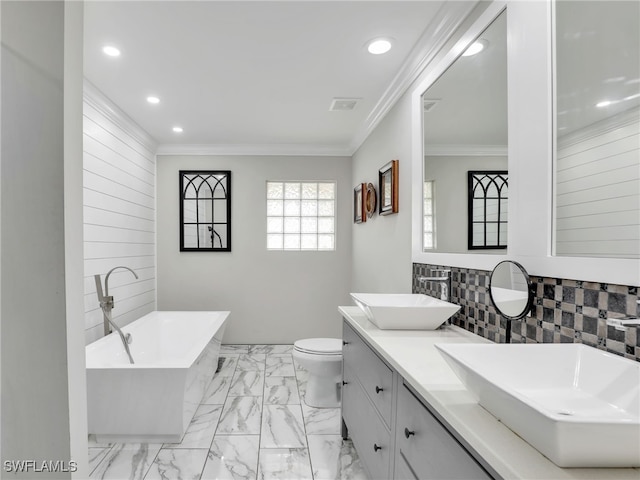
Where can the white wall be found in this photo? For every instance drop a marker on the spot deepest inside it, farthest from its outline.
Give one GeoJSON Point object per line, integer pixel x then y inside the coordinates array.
{"type": "Point", "coordinates": [381, 253]}
{"type": "Point", "coordinates": [451, 196]}
{"type": "Point", "coordinates": [40, 94]}
{"type": "Point", "coordinates": [598, 189]}
{"type": "Point", "coordinates": [119, 212]}
{"type": "Point", "coordinates": [273, 296]}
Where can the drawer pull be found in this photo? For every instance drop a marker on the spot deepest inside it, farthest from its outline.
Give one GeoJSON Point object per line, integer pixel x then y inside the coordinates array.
{"type": "Point", "coordinates": [378, 389]}
{"type": "Point", "coordinates": [376, 447]}
{"type": "Point", "coordinates": [408, 433]}
{"type": "Point", "coordinates": [344, 383]}
{"type": "Point", "coordinates": [345, 343]}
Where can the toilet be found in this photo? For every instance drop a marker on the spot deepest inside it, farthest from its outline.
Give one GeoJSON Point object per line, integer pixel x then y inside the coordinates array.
{"type": "Point", "coordinates": [322, 358]}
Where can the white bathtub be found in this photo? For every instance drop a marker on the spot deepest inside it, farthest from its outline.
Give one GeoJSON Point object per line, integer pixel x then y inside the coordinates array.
{"type": "Point", "coordinates": [153, 400]}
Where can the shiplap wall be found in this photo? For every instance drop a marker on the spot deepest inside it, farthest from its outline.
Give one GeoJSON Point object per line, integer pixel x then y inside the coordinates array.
{"type": "Point", "coordinates": [119, 212]}
{"type": "Point", "coordinates": [598, 190]}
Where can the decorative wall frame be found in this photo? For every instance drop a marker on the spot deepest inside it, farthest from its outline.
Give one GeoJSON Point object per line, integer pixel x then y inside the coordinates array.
{"type": "Point", "coordinates": [370, 200]}
{"type": "Point", "coordinates": [487, 209]}
{"type": "Point", "coordinates": [388, 188]}
{"type": "Point", "coordinates": [359, 203]}
{"type": "Point", "coordinates": [205, 210]}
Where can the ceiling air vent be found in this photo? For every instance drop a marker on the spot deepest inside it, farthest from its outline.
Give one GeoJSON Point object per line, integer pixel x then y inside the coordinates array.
{"type": "Point", "coordinates": [430, 103]}
{"type": "Point", "coordinates": [343, 104]}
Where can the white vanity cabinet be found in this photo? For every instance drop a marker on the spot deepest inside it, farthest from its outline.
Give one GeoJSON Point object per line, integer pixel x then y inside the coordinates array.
{"type": "Point", "coordinates": [394, 434]}
{"type": "Point", "coordinates": [367, 395]}
{"type": "Point", "coordinates": [425, 448]}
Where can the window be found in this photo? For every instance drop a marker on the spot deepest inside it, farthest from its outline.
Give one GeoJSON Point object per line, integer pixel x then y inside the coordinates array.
{"type": "Point", "coordinates": [429, 215]}
{"type": "Point", "coordinates": [301, 215]}
{"type": "Point", "coordinates": [488, 203]}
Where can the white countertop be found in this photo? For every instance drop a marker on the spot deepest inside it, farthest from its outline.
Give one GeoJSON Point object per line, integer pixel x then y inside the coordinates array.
{"type": "Point", "coordinates": [412, 354]}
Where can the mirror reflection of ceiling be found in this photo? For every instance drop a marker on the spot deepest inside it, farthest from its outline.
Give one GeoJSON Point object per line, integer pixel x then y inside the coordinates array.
{"type": "Point", "coordinates": [614, 73]}
{"type": "Point", "coordinates": [471, 97]}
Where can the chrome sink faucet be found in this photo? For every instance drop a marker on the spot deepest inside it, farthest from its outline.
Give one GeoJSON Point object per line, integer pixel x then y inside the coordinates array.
{"type": "Point", "coordinates": [107, 304]}
{"type": "Point", "coordinates": [441, 277]}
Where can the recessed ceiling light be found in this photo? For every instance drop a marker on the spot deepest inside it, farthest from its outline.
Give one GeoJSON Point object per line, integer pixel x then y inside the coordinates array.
{"type": "Point", "coordinates": [178, 129]}
{"type": "Point", "coordinates": [476, 47]}
{"type": "Point", "coordinates": [111, 51]}
{"type": "Point", "coordinates": [378, 46]}
{"type": "Point", "coordinates": [153, 100]}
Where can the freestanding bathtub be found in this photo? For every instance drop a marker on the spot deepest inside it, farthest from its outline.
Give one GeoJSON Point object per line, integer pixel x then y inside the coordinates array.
{"type": "Point", "coordinates": [153, 400]}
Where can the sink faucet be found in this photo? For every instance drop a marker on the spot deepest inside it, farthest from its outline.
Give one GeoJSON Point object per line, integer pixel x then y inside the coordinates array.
{"type": "Point", "coordinates": [107, 304]}
{"type": "Point", "coordinates": [442, 278]}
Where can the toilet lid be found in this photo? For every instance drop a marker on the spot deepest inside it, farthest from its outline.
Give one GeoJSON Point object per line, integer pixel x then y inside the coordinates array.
{"type": "Point", "coordinates": [319, 346]}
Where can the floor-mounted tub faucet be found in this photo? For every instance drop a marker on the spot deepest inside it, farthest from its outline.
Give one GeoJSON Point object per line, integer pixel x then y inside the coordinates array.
{"type": "Point", "coordinates": [107, 304]}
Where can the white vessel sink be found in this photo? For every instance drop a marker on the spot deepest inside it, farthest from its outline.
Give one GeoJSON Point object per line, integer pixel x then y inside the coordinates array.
{"type": "Point", "coordinates": [578, 406]}
{"type": "Point", "coordinates": [404, 311]}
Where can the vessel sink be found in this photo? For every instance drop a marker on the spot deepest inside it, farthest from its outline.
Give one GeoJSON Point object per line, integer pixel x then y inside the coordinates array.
{"type": "Point", "coordinates": [577, 405]}
{"type": "Point", "coordinates": [404, 311]}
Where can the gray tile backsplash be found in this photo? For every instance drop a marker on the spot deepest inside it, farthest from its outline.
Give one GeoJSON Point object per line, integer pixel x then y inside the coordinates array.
{"type": "Point", "coordinates": [564, 311]}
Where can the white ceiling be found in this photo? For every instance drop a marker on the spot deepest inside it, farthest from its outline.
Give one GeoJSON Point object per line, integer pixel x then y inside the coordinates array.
{"type": "Point", "coordinates": [251, 73]}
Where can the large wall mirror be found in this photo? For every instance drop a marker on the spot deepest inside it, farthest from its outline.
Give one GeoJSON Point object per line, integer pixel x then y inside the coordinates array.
{"type": "Point", "coordinates": [597, 162]}
{"type": "Point", "coordinates": [465, 130]}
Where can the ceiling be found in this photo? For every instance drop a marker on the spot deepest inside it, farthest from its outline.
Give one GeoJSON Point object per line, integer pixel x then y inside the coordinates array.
{"type": "Point", "coordinates": [471, 98]}
{"type": "Point", "coordinates": [252, 72]}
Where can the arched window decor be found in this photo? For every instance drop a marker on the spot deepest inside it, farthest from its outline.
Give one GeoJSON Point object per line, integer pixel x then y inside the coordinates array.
{"type": "Point", "coordinates": [488, 203]}
{"type": "Point", "coordinates": [205, 211]}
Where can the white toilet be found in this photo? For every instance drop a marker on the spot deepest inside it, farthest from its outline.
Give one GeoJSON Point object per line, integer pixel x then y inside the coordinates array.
{"type": "Point", "coordinates": [322, 358]}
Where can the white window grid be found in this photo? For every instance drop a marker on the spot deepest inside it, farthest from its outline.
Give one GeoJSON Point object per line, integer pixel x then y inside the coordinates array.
{"type": "Point", "coordinates": [301, 215]}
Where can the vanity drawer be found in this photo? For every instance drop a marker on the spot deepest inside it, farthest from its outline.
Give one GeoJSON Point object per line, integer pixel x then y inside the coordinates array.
{"type": "Point", "coordinates": [427, 447]}
{"type": "Point", "coordinates": [373, 374]}
{"type": "Point", "coordinates": [371, 439]}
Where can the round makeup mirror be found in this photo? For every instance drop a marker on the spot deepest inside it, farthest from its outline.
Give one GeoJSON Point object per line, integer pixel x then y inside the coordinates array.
{"type": "Point", "coordinates": [511, 290]}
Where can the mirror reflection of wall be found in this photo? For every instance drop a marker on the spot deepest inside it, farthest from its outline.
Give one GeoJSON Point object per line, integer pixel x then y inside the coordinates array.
{"type": "Point", "coordinates": [465, 129]}
{"type": "Point", "coordinates": [597, 171]}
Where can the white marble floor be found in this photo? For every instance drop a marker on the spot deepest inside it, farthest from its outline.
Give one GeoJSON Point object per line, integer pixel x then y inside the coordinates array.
{"type": "Point", "coordinates": [252, 424]}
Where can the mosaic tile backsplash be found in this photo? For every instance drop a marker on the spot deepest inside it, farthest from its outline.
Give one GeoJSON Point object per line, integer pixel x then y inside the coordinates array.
{"type": "Point", "coordinates": [564, 311]}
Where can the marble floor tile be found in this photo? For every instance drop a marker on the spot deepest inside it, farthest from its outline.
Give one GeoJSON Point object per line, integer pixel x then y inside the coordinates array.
{"type": "Point", "coordinates": [247, 383]}
{"type": "Point", "coordinates": [334, 459]}
{"type": "Point", "coordinates": [127, 461]}
{"type": "Point", "coordinates": [96, 455]}
{"type": "Point", "coordinates": [284, 464]}
{"type": "Point", "coordinates": [241, 416]}
{"type": "Point", "coordinates": [228, 348]}
{"type": "Point", "coordinates": [280, 366]}
{"type": "Point", "coordinates": [282, 427]}
{"type": "Point", "coordinates": [281, 391]}
{"type": "Point", "coordinates": [251, 362]}
{"type": "Point", "coordinates": [232, 457]}
{"type": "Point", "coordinates": [177, 464]}
{"type": "Point", "coordinates": [201, 429]}
{"type": "Point", "coordinates": [217, 391]}
{"type": "Point", "coordinates": [279, 349]}
{"type": "Point", "coordinates": [321, 421]}
{"type": "Point", "coordinates": [229, 363]}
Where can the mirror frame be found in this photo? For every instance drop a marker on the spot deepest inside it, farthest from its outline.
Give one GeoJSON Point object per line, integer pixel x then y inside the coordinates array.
{"type": "Point", "coordinates": [530, 292]}
{"type": "Point", "coordinates": [530, 152]}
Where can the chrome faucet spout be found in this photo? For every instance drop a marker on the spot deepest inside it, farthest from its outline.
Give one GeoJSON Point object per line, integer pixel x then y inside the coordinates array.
{"type": "Point", "coordinates": [106, 279]}
{"type": "Point", "coordinates": [442, 278]}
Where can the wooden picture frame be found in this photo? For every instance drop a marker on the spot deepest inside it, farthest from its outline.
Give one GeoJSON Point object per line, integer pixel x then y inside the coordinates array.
{"type": "Point", "coordinates": [388, 188]}
{"type": "Point", "coordinates": [359, 203]}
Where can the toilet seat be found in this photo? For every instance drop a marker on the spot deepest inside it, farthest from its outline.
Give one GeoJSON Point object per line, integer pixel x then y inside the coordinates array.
{"type": "Point", "coordinates": [319, 346]}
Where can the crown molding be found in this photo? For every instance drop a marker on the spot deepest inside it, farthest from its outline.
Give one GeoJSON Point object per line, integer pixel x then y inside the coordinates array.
{"type": "Point", "coordinates": [259, 149]}
{"type": "Point", "coordinates": [610, 124]}
{"type": "Point", "coordinates": [446, 21]}
{"type": "Point", "coordinates": [98, 100]}
{"type": "Point", "coordinates": [465, 150]}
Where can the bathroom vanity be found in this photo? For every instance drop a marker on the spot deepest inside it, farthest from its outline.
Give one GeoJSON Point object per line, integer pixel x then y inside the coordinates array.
{"type": "Point", "coordinates": [410, 417]}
